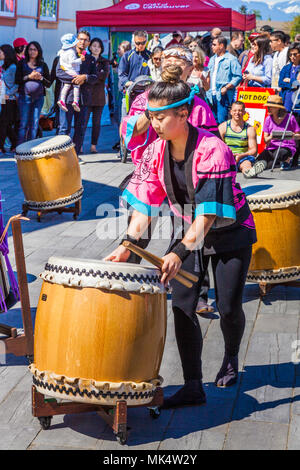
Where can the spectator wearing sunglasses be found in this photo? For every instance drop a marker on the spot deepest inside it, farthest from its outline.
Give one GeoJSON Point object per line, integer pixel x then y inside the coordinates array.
{"type": "Point", "coordinates": [155, 63]}
{"type": "Point", "coordinates": [20, 46]}
{"type": "Point", "coordinates": [134, 62]}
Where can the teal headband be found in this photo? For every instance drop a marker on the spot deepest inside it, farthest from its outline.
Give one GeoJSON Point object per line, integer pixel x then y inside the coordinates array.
{"type": "Point", "coordinates": [194, 91]}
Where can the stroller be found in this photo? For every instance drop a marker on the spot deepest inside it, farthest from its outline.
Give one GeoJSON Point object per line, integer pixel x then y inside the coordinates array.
{"type": "Point", "coordinates": [139, 85]}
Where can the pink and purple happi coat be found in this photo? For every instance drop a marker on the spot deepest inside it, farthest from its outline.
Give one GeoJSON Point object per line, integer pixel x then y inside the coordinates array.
{"type": "Point", "coordinates": [201, 116]}
{"type": "Point", "coordinates": [4, 250]}
{"type": "Point", "coordinates": [210, 173]}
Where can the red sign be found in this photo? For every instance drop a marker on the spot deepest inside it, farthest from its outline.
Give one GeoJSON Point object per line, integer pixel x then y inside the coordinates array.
{"type": "Point", "coordinates": [255, 98]}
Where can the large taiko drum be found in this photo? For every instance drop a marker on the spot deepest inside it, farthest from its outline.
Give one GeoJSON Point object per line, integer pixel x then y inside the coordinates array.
{"type": "Point", "coordinates": [275, 205]}
{"type": "Point", "coordinates": [49, 172]}
{"type": "Point", "coordinates": [100, 332]}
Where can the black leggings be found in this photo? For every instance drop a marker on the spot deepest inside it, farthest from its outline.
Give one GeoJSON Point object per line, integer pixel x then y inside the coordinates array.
{"type": "Point", "coordinates": [229, 271]}
{"type": "Point", "coordinates": [96, 122]}
{"type": "Point", "coordinates": [269, 155]}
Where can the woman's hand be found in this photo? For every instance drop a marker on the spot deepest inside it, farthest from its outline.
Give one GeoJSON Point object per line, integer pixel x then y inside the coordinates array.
{"type": "Point", "coordinates": [35, 75]}
{"type": "Point", "coordinates": [120, 254]}
{"type": "Point", "coordinates": [171, 266]}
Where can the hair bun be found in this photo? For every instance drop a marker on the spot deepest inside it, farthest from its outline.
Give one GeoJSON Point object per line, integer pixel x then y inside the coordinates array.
{"type": "Point", "coordinates": [171, 74]}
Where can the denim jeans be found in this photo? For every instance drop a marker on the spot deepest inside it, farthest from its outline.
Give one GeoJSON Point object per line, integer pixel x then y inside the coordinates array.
{"type": "Point", "coordinates": [29, 117]}
{"type": "Point", "coordinates": [65, 124]}
{"type": "Point", "coordinates": [220, 108]}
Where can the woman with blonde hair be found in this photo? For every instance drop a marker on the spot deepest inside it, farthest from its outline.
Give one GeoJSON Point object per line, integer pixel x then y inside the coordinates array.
{"type": "Point", "coordinates": [200, 73]}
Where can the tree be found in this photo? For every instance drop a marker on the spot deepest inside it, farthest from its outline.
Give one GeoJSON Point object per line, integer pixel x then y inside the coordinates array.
{"type": "Point", "coordinates": [243, 9]}
{"type": "Point", "coordinates": [257, 13]}
{"type": "Point", "coordinates": [295, 27]}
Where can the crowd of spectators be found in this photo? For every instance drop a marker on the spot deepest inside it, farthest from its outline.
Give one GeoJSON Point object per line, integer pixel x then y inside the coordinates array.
{"type": "Point", "coordinates": [219, 66]}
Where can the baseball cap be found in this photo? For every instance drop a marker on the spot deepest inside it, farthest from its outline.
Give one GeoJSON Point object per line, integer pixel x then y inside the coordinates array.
{"type": "Point", "coordinates": [20, 42]}
{"type": "Point", "coordinates": [266, 28]}
{"type": "Point", "coordinates": [254, 35]}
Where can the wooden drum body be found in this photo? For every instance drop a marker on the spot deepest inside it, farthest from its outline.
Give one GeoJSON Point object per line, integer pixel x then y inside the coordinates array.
{"type": "Point", "coordinates": [99, 332]}
{"type": "Point", "coordinates": [49, 172]}
{"type": "Point", "coordinates": [275, 205]}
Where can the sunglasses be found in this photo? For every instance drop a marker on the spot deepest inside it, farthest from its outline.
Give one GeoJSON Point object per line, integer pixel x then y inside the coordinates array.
{"type": "Point", "coordinates": [140, 43]}
{"type": "Point", "coordinates": [157, 58]}
{"type": "Point", "coordinates": [294, 53]}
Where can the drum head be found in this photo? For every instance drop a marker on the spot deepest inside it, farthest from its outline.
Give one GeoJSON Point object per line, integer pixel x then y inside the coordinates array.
{"type": "Point", "coordinates": [43, 147]}
{"type": "Point", "coordinates": [103, 274]}
{"type": "Point", "coordinates": [272, 193]}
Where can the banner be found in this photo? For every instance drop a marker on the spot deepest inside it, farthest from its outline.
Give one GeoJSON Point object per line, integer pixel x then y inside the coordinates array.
{"type": "Point", "coordinates": [255, 98]}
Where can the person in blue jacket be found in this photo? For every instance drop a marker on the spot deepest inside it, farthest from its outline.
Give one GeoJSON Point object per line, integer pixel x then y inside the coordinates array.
{"type": "Point", "coordinates": [133, 64]}
{"type": "Point", "coordinates": [289, 76]}
{"type": "Point", "coordinates": [225, 76]}
{"type": "Point", "coordinates": [289, 82]}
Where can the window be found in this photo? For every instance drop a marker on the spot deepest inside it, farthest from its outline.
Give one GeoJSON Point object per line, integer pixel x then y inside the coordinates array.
{"type": "Point", "coordinates": [8, 8]}
{"type": "Point", "coordinates": [48, 14]}
{"type": "Point", "coordinates": [48, 10]}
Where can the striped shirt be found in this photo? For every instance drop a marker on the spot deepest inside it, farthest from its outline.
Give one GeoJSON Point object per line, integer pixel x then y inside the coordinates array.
{"type": "Point", "coordinates": [236, 141]}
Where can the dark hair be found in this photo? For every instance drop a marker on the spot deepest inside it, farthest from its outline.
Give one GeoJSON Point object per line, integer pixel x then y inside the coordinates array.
{"type": "Point", "coordinates": [10, 56]}
{"type": "Point", "coordinates": [266, 28]}
{"type": "Point", "coordinates": [140, 33]}
{"type": "Point", "coordinates": [221, 40]}
{"type": "Point", "coordinates": [263, 44]}
{"type": "Point", "coordinates": [171, 88]}
{"type": "Point", "coordinates": [279, 35]}
{"type": "Point", "coordinates": [84, 31]}
{"type": "Point", "coordinates": [294, 45]}
{"type": "Point", "coordinates": [100, 43]}
{"type": "Point", "coordinates": [39, 58]}
{"type": "Point", "coordinates": [19, 49]}
{"type": "Point", "coordinates": [239, 103]}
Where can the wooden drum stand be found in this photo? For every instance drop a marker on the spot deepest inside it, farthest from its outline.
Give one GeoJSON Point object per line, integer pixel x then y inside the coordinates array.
{"type": "Point", "coordinates": [115, 416]}
{"type": "Point", "coordinates": [75, 210]}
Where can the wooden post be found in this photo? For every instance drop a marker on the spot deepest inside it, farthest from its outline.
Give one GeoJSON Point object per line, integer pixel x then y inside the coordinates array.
{"type": "Point", "coordinates": [23, 286]}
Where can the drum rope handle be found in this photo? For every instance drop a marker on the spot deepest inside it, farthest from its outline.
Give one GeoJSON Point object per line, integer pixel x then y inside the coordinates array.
{"type": "Point", "coordinates": [182, 276]}
{"type": "Point", "coordinates": [14, 217]}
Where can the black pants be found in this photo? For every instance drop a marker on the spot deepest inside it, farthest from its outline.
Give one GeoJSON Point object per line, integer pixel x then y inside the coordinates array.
{"type": "Point", "coordinates": [229, 271]}
{"type": "Point", "coordinates": [269, 155]}
{"type": "Point", "coordinates": [96, 122]}
{"type": "Point", "coordinates": [8, 123]}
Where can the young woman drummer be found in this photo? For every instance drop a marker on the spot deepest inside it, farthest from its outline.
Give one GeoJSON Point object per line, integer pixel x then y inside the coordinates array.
{"type": "Point", "coordinates": [196, 171]}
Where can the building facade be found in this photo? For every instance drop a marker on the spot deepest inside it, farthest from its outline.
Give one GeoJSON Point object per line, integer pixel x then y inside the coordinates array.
{"type": "Point", "coordinates": [44, 21]}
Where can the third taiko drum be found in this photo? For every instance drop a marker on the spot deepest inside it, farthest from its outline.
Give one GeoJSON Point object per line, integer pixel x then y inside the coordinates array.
{"type": "Point", "coordinates": [275, 205]}
{"type": "Point", "coordinates": [100, 332]}
{"type": "Point", "coordinates": [49, 173]}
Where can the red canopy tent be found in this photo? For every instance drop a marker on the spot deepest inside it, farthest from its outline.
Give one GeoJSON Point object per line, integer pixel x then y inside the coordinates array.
{"type": "Point", "coordinates": [166, 16]}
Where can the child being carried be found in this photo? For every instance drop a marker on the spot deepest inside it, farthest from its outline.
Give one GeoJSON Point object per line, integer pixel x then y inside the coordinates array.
{"type": "Point", "coordinates": [68, 68]}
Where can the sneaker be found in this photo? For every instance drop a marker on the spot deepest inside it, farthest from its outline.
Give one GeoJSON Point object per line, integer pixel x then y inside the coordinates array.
{"type": "Point", "coordinates": [80, 161]}
{"type": "Point", "coordinates": [62, 105]}
{"type": "Point", "coordinates": [76, 106]}
{"type": "Point", "coordinates": [285, 166]}
{"type": "Point", "coordinates": [257, 168]}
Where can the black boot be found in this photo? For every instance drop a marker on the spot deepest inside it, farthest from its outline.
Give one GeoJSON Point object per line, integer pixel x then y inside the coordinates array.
{"type": "Point", "coordinates": [190, 394]}
{"type": "Point", "coordinates": [228, 374]}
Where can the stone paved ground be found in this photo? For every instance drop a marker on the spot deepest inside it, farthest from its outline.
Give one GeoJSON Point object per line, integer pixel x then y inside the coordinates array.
{"type": "Point", "coordinates": [261, 412]}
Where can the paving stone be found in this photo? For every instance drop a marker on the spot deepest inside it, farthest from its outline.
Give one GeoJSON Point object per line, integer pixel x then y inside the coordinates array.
{"type": "Point", "coordinates": [250, 435]}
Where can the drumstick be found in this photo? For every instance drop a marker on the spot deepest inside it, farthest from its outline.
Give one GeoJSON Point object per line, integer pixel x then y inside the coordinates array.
{"type": "Point", "coordinates": [182, 276]}
{"type": "Point", "coordinates": [14, 217]}
{"type": "Point", "coordinates": [184, 273]}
